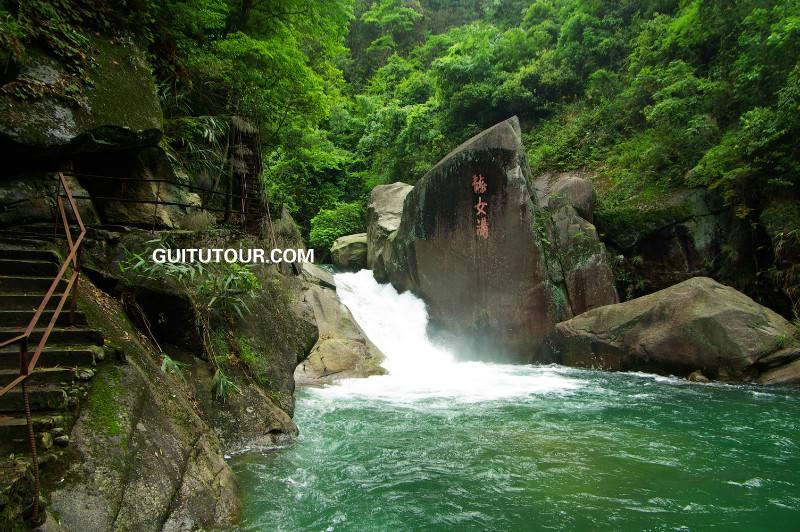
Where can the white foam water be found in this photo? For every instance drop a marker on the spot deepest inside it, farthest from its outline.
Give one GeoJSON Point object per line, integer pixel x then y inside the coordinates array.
{"type": "Point", "coordinates": [419, 370]}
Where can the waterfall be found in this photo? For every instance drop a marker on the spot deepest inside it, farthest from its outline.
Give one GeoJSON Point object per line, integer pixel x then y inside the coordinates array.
{"type": "Point", "coordinates": [417, 369]}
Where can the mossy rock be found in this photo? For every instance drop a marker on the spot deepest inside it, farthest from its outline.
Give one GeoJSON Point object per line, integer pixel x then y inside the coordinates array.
{"type": "Point", "coordinates": [625, 226]}
{"type": "Point", "coordinates": [116, 108]}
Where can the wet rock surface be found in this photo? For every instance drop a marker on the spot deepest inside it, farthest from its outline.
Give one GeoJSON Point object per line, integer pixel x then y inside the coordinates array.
{"type": "Point", "coordinates": [343, 350]}
{"type": "Point", "coordinates": [119, 108]}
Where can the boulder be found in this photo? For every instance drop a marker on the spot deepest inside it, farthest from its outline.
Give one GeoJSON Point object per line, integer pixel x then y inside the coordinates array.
{"type": "Point", "coordinates": [343, 350]}
{"type": "Point", "coordinates": [697, 325]}
{"type": "Point", "coordinates": [384, 212]}
{"type": "Point", "coordinates": [117, 108]}
{"type": "Point", "coordinates": [475, 246]}
{"type": "Point", "coordinates": [588, 275]}
{"type": "Point", "coordinates": [697, 376]}
{"type": "Point", "coordinates": [349, 253]}
{"type": "Point", "coordinates": [573, 187]}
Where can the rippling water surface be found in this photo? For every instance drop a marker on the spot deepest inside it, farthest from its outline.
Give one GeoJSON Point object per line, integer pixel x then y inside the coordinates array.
{"type": "Point", "coordinates": [439, 444]}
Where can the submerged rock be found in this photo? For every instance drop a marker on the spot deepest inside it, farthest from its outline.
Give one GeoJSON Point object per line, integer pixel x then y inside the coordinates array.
{"type": "Point", "coordinates": [697, 325]}
{"type": "Point", "coordinates": [697, 376]}
{"type": "Point", "coordinates": [384, 213]}
{"type": "Point", "coordinates": [349, 253]}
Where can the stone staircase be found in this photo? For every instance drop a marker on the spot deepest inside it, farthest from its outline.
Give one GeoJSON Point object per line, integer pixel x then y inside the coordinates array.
{"type": "Point", "coordinates": [28, 265]}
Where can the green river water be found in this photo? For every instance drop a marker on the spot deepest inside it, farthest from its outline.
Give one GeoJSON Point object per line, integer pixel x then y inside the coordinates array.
{"type": "Point", "coordinates": [495, 447]}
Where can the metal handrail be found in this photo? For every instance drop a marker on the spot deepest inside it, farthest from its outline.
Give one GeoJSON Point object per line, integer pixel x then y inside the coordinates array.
{"type": "Point", "coordinates": [177, 184]}
{"type": "Point", "coordinates": [28, 364]}
{"type": "Point", "coordinates": [206, 193]}
{"type": "Point", "coordinates": [69, 292]}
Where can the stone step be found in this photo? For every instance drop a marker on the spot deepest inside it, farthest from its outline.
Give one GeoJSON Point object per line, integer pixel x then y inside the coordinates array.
{"type": "Point", "coordinates": [14, 429]}
{"type": "Point", "coordinates": [41, 397]}
{"type": "Point", "coordinates": [54, 355]}
{"type": "Point", "coordinates": [41, 375]}
{"type": "Point", "coordinates": [38, 268]}
{"type": "Point", "coordinates": [24, 284]}
{"type": "Point", "coordinates": [29, 237]}
{"type": "Point", "coordinates": [28, 301]}
{"type": "Point", "coordinates": [21, 318]}
{"type": "Point", "coordinates": [59, 335]}
{"type": "Point", "coordinates": [38, 228]}
{"type": "Point", "coordinates": [25, 253]}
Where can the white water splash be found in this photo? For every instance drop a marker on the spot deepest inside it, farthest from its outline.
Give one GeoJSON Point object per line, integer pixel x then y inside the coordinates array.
{"type": "Point", "coordinates": [416, 368]}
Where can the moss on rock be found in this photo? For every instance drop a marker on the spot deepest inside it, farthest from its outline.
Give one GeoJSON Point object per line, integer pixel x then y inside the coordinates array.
{"type": "Point", "coordinates": [117, 108]}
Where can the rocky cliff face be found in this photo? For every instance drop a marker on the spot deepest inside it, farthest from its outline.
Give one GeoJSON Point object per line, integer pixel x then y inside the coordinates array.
{"type": "Point", "coordinates": [142, 456]}
{"type": "Point", "coordinates": [349, 253]}
{"type": "Point", "coordinates": [112, 128]}
{"type": "Point", "coordinates": [147, 448]}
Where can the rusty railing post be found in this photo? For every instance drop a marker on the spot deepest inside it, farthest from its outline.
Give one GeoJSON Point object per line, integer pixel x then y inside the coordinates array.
{"type": "Point", "coordinates": [56, 200]}
{"type": "Point", "coordinates": [155, 206]}
{"type": "Point", "coordinates": [25, 370]}
{"type": "Point", "coordinates": [73, 304]}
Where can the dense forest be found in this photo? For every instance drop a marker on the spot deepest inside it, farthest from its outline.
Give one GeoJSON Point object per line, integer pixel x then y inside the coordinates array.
{"type": "Point", "coordinates": [648, 95]}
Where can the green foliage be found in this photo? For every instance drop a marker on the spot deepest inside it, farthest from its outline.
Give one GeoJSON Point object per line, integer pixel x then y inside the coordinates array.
{"type": "Point", "coordinates": [168, 365]}
{"type": "Point", "coordinates": [343, 219]}
{"type": "Point", "coordinates": [256, 362]}
{"type": "Point", "coordinates": [197, 144]}
{"type": "Point", "coordinates": [218, 288]}
{"type": "Point", "coordinates": [228, 289]}
{"type": "Point", "coordinates": [275, 62]}
{"type": "Point", "coordinates": [652, 95]}
{"type": "Point", "coordinates": [222, 385]}
{"type": "Point", "coordinates": [311, 176]}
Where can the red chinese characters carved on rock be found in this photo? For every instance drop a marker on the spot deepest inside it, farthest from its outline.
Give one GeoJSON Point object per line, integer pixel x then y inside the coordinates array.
{"type": "Point", "coordinates": [481, 206]}
{"type": "Point", "coordinates": [483, 228]}
{"type": "Point", "coordinates": [479, 186]}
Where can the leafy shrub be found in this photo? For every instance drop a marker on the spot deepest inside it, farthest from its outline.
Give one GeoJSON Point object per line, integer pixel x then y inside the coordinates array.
{"type": "Point", "coordinates": [343, 219]}
{"type": "Point", "coordinates": [229, 289]}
